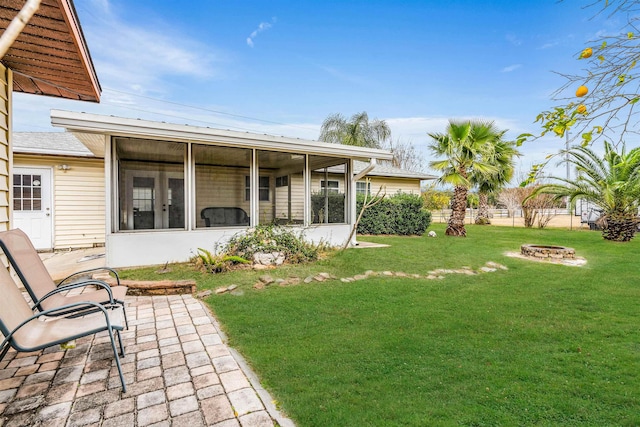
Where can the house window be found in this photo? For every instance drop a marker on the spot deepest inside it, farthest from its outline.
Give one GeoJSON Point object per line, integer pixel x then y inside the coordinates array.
{"type": "Point", "coordinates": [282, 181]}
{"type": "Point", "coordinates": [263, 188]}
{"type": "Point", "coordinates": [330, 186]}
{"type": "Point", "coordinates": [363, 187]}
{"type": "Point", "coordinates": [27, 192]}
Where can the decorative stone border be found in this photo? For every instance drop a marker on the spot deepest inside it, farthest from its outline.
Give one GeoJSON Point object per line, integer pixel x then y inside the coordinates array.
{"type": "Point", "coordinates": [152, 287]}
{"type": "Point", "coordinates": [266, 280]}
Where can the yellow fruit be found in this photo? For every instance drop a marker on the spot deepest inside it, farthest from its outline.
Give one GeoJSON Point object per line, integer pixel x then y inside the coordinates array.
{"type": "Point", "coordinates": [582, 91]}
{"type": "Point", "coordinates": [581, 109]}
{"type": "Point", "coordinates": [586, 53]}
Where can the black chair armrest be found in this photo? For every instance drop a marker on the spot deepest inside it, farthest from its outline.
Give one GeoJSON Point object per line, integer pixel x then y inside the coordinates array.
{"type": "Point", "coordinates": [109, 269]}
{"type": "Point", "coordinates": [98, 283]}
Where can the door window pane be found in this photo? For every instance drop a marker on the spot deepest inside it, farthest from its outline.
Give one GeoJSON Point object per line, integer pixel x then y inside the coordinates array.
{"type": "Point", "coordinates": [27, 193]}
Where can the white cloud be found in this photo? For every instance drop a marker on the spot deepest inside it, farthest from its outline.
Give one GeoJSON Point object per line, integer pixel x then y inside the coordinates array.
{"type": "Point", "coordinates": [549, 45]}
{"type": "Point", "coordinates": [138, 57]}
{"type": "Point", "coordinates": [513, 39]}
{"type": "Point", "coordinates": [510, 68]}
{"type": "Point", "coordinates": [262, 27]}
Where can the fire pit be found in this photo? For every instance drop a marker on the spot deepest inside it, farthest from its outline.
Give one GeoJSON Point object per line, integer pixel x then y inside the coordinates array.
{"type": "Point", "coordinates": [544, 251]}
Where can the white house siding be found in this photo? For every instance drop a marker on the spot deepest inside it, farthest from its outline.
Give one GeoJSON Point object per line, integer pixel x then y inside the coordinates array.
{"type": "Point", "coordinates": [395, 185]}
{"type": "Point", "coordinates": [392, 185]}
{"type": "Point", "coordinates": [297, 199]}
{"type": "Point", "coordinates": [78, 199]}
{"type": "Point", "coordinates": [5, 146]}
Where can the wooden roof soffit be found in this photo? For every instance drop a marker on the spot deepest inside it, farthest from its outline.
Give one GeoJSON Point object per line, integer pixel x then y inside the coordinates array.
{"type": "Point", "coordinates": [50, 56]}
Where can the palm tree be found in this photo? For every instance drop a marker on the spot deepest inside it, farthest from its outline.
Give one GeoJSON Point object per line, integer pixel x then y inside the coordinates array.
{"type": "Point", "coordinates": [466, 146]}
{"type": "Point", "coordinates": [611, 182]}
{"type": "Point", "coordinates": [501, 155]}
{"type": "Point", "coordinates": [357, 131]}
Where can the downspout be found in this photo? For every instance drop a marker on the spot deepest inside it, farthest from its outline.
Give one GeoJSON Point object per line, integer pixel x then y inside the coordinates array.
{"type": "Point", "coordinates": [363, 172]}
{"type": "Point", "coordinates": [17, 25]}
{"type": "Point", "coordinates": [356, 178]}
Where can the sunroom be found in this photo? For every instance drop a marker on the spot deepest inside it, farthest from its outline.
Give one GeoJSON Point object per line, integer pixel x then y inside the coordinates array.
{"type": "Point", "coordinates": [171, 189]}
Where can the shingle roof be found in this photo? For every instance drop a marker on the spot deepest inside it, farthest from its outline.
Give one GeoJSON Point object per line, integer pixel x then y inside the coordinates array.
{"type": "Point", "coordinates": [52, 143]}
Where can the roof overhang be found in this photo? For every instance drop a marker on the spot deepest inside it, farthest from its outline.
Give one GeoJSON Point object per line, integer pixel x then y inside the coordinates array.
{"type": "Point", "coordinates": [87, 123]}
{"type": "Point", "coordinates": [50, 56]}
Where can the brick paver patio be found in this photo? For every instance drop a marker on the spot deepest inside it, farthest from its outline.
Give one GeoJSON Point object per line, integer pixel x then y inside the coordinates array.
{"type": "Point", "coordinates": [178, 371]}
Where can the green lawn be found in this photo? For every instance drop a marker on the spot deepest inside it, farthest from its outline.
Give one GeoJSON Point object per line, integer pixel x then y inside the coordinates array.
{"type": "Point", "coordinates": [538, 344]}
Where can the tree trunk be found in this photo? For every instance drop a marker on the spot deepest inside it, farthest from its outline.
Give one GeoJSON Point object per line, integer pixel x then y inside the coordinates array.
{"type": "Point", "coordinates": [619, 227]}
{"type": "Point", "coordinates": [458, 210]}
{"type": "Point", "coordinates": [483, 209]}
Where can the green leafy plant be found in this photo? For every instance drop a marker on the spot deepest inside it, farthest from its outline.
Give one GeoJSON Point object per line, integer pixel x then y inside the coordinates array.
{"type": "Point", "coordinates": [213, 263]}
{"type": "Point", "coordinates": [274, 238]}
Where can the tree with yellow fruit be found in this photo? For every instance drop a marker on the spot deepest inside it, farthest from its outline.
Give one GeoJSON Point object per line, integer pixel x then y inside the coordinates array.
{"type": "Point", "coordinates": [600, 101]}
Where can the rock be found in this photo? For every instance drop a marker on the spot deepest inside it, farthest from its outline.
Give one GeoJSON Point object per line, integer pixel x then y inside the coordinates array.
{"type": "Point", "coordinates": [261, 267]}
{"type": "Point", "coordinates": [345, 280]}
{"type": "Point", "coordinates": [369, 273]}
{"type": "Point", "coordinates": [431, 277]}
{"type": "Point", "coordinates": [401, 274]}
{"type": "Point", "coordinates": [326, 275]}
{"type": "Point", "coordinates": [258, 285]}
{"type": "Point", "coordinates": [308, 279]}
{"type": "Point", "coordinates": [359, 277]}
{"type": "Point", "coordinates": [319, 278]}
{"type": "Point", "coordinates": [266, 279]}
{"type": "Point", "coordinates": [416, 276]}
{"type": "Point", "coordinates": [294, 280]}
{"type": "Point", "coordinates": [387, 273]}
{"type": "Point", "coordinates": [232, 287]}
{"type": "Point", "coordinates": [432, 234]}
{"type": "Point", "coordinates": [272, 258]}
{"type": "Point", "coordinates": [496, 265]}
{"type": "Point", "coordinates": [221, 291]}
{"type": "Point", "coordinates": [488, 269]}
{"type": "Point", "coordinates": [204, 294]}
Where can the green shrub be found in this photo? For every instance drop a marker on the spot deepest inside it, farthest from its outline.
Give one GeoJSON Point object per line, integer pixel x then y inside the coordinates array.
{"type": "Point", "coordinates": [273, 238]}
{"type": "Point", "coordinates": [401, 214]}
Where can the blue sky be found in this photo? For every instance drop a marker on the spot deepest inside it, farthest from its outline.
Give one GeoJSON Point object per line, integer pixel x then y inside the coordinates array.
{"type": "Point", "coordinates": [281, 67]}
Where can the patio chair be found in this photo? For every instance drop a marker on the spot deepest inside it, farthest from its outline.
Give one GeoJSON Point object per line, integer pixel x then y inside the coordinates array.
{"type": "Point", "coordinates": [43, 291]}
{"type": "Point", "coordinates": [26, 332]}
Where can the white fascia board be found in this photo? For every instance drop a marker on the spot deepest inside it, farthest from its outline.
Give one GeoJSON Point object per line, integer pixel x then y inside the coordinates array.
{"type": "Point", "coordinates": [126, 127]}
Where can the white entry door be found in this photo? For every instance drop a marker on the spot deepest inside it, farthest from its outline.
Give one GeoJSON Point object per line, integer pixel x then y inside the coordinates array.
{"type": "Point", "coordinates": [32, 209]}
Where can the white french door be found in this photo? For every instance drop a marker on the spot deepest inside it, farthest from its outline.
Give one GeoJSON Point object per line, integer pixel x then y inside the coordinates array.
{"type": "Point", "coordinates": [154, 200]}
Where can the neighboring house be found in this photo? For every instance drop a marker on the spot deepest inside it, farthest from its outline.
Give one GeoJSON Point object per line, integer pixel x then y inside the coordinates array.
{"type": "Point", "coordinates": [171, 189]}
{"type": "Point", "coordinates": [49, 57]}
{"type": "Point", "coordinates": [70, 183]}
